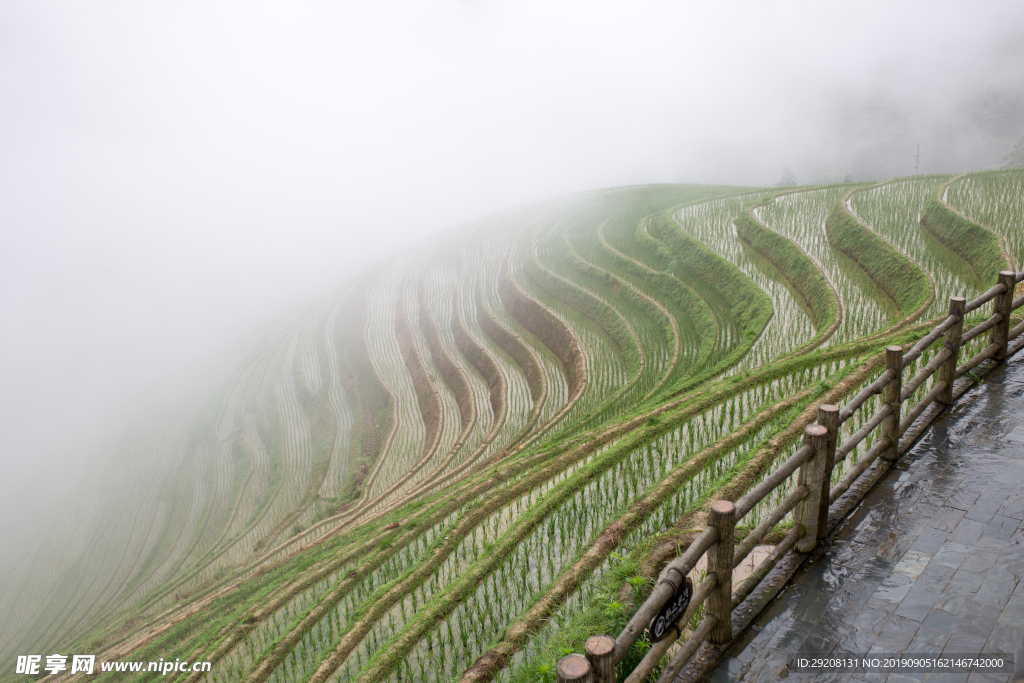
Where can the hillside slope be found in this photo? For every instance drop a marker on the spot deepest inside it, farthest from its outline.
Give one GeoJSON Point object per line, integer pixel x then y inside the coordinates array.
{"type": "Point", "coordinates": [455, 465]}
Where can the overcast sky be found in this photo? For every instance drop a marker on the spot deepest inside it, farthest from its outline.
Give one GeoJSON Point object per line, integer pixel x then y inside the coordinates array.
{"type": "Point", "coordinates": [173, 174]}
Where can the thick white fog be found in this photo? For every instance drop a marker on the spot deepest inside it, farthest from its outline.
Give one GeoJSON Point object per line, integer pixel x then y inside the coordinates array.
{"type": "Point", "coordinates": [173, 175]}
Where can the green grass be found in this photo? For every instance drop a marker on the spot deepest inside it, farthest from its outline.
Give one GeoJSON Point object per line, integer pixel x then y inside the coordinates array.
{"type": "Point", "coordinates": [978, 247]}
{"type": "Point", "coordinates": [805, 279]}
{"type": "Point", "coordinates": [902, 281]}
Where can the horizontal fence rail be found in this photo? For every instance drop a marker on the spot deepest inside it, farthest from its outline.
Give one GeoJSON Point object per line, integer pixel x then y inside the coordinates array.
{"type": "Point", "coordinates": [809, 502]}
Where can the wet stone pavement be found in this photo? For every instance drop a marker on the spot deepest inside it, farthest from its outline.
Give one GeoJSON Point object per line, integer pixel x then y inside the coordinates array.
{"type": "Point", "coordinates": [930, 563]}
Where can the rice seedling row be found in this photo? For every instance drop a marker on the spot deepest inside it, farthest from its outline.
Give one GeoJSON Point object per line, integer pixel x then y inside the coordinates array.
{"type": "Point", "coordinates": [338, 471]}
{"type": "Point", "coordinates": [558, 390]}
{"type": "Point", "coordinates": [692, 316]}
{"type": "Point", "coordinates": [893, 211]}
{"type": "Point", "coordinates": [607, 371]}
{"type": "Point", "coordinates": [801, 216]}
{"type": "Point", "coordinates": [790, 328]}
{"type": "Point", "coordinates": [650, 322]}
{"type": "Point", "coordinates": [995, 200]}
{"type": "Point", "coordinates": [387, 358]}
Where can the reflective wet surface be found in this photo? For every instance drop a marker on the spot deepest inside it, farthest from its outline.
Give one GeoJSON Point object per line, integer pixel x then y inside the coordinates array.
{"type": "Point", "coordinates": [930, 563]}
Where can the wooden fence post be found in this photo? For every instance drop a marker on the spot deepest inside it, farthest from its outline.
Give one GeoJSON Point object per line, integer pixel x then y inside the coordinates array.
{"type": "Point", "coordinates": [891, 424]}
{"type": "Point", "coordinates": [1001, 304]}
{"type": "Point", "coordinates": [719, 603]}
{"type": "Point", "coordinates": [599, 651]}
{"type": "Point", "coordinates": [811, 474]}
{"type": "Point", "coordinates": [947, 372]}
{"type": "Point", "coordinates": [573, 669]}
{"type": "Point", "coordinates": [828, 417]}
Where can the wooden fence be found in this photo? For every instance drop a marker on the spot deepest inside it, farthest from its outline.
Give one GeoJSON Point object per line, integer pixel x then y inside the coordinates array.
{"type": "Point", "coordinates": [809, 501]}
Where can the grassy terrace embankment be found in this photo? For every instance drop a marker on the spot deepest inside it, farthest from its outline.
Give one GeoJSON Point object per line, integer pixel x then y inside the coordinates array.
{"type": "Point", "coordinates": [451, 373]}
{"type": "Point", "coordinates": [657, 331]}
{"type": "Point", "coordinates": [372, 416]}
{"type": "Point", "coordinates": [806, 281]}
{"type": "Point", "coordinates": [544, 325]}
{"type": "Point", "coordinates": [517, 349]}
{"type": "Point", "coordinates": [738, 305]}
{"type": "Point", "coordinates": [988, 199]}
{"type": "Point", "coordinates": [903, 282]}
{"type": "Point", "coordinates": [978, 247]}
{"type": "Point", "coordinates": [693, 316]}
{"type": "Point", "coordinates": [427, 396]}
{"type": "Point", "coordinates": [484, 363]}
{"type": "Point", "coordinates": [609, 319]}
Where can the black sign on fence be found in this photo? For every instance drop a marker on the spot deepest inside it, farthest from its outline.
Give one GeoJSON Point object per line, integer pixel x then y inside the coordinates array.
{"type": "Point", "coordinates": [670, 613]}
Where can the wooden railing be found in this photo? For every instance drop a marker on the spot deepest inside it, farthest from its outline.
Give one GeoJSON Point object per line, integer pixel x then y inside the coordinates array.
{"type": "Point", "coordinates": [809, 500]}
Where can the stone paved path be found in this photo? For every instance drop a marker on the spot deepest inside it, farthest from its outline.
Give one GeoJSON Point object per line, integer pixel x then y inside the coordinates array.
{"type": "Point", "coordinates": [929, 563]}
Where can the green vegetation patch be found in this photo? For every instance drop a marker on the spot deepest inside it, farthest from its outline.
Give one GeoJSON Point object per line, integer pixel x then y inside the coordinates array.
{"type": "Point", "coordinates": [805, 280]}
{"type": "Point", "coordinates": [721, 284]}
{"type": "Point", "coordinates": [896, 275]}
{"type": "Point", "coordinates": [974, 244]}
{"type": "Point", "coordinates": [607, 318]}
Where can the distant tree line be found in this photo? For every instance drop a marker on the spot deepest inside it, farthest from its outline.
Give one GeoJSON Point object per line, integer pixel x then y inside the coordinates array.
{"type": "Point", "coordinates": [788, 179]}
{"type": "Point", "coordinates": [1015, 158]}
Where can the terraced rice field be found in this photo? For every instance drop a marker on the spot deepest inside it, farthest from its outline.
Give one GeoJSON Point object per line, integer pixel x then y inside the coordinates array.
{"type": "Point", "coordinates": [988, 199]}
{"type": "Point", "coordinates": [472, 457]}
{"type": "Point", "coordinates": [892, 210]}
